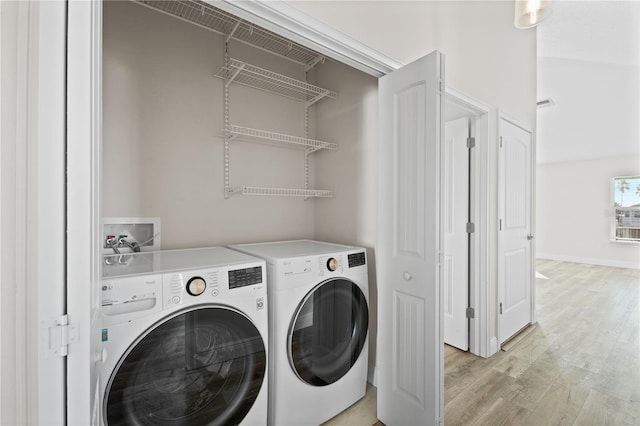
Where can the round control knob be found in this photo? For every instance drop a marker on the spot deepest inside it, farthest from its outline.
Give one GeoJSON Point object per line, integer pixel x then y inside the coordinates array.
{"type": "Point", "coordinates": [332, 264]}
{"type": "Point", "coordinates": [196, 286]}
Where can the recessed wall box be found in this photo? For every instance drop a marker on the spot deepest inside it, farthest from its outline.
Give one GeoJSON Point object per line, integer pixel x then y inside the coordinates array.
{"type": "Point", "coordinates": [123, 234]}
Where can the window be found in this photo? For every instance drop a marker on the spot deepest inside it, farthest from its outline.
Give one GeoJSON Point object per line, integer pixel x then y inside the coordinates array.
{"type": "Point", "coordinates": [626, 203]}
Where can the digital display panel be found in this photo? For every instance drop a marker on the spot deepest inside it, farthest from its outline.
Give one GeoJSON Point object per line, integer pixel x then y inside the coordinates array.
{"type": "Point", "coordinates": [244, 277]}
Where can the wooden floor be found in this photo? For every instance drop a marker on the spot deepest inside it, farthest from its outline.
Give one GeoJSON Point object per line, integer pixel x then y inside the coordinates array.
{"type": "Point", "coordinates": [580, 365]}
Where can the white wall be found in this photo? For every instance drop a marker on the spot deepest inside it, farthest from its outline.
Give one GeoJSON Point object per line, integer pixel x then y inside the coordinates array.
{"type": "Point", "coordinates": [594, 102]}
{"type": "Point", "coordinates": [163, 122]}
{"type": "Point", "coordinates": [590, 135]}
{"type": "Point", "coordinates": [574, 212]}
{"type": "Point", "coordinates": [486, 57]}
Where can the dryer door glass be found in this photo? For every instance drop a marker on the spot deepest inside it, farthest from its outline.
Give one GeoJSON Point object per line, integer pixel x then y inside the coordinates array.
{"type": "Point", "coordinates": [204, 366]}
{"type": "Point", "coordinates": [328, 332]}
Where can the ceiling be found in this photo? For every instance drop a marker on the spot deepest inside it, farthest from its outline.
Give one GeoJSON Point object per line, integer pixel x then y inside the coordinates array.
{"type": "Point", "coordinates": [589, 64]}
{"type": "Point", "coordinates": [601, 31]}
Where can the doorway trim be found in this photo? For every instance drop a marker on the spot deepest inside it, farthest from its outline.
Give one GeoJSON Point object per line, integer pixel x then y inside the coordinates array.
{"type": "Point", "coordinates": [84, 141]}
{"type": "Point", "coordinates": [32, 210]}
{"type": "Point", "coordinates": [479, 325]}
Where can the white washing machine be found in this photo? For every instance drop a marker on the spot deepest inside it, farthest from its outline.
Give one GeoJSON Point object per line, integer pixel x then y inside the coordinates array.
{"type": "Point", "coordinates": [185, 338]}
{"type": "Point", "coordinates": [318, 328]}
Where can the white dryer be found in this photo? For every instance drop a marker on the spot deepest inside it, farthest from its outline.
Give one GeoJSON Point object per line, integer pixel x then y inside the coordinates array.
{"type": "Point", "coordinates": [318, 328]}
{"type": "Point", "coordinates": [184, 339]}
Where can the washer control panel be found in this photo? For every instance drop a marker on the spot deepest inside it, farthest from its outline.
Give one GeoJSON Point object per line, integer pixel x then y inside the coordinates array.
{"type": "Point", "coordinates": [130, 294]}
{"type": "Point", "coordinates": [245, 277]}
{"type": "Point", "coordinates": [209, 285]}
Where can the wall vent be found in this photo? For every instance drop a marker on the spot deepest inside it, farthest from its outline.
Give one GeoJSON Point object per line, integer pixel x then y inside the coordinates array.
{"type": "Point", "coordinates": [545, 103]}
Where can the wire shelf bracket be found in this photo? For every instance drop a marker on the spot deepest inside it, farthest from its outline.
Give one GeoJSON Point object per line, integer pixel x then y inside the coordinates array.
{"type": "Point", "coordinates": [314, 62]}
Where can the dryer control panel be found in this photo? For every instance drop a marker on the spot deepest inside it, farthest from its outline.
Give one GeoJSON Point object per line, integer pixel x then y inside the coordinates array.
{"type": "Point", "coordinates": [333, 263]}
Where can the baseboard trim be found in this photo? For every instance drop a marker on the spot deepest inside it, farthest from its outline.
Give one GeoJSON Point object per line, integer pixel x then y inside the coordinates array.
{"type": "Point", "coordinates": [493, 346]}
{"type": "Point", "coordinates": [371, 375]}
{"type": "Point", "coordinates": [589, 260]}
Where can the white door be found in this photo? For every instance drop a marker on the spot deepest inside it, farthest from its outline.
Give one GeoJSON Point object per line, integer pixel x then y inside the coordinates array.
{"type": "Point", "coordinates": [83, 209]}
{"type": "Point", "coordinates": [515, 261]}
{"type": "Point", "coordinates": [410, 342]}
{"type": "Point", "coordinates": [455, 215]}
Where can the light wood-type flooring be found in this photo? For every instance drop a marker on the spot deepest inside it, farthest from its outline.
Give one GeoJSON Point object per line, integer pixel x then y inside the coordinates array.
{"type": "Point", "coordinates": [579, 365]}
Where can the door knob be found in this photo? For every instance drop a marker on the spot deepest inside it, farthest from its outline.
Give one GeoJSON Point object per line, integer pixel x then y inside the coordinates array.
{"type": "Point", "coordinates": [407, 276]}
{"type": "Point", "coordinates": [530, 237]}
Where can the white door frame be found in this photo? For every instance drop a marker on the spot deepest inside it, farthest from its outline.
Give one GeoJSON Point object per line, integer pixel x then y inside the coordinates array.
{"type": "Point", "coordinates": [479, 327]}
{"type": "Point", "coordinates": [84, 134]}
{"type": "Point", "coordinates": [504, 116]}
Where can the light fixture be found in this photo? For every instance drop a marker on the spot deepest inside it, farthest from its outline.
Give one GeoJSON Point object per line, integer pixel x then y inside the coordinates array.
{"type": "Point", "coordinates": [529, 13]}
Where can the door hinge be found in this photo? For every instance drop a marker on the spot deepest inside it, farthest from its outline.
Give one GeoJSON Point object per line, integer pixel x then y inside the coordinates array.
{"type": "Point", "coordinates": [500, 308]}
{"type": "Point", "coordinates": [471, 228]}
{"type": "Point", "coordinates": [61, 335]}
{"type": "Point", "coordinates": [470, 312]}
{"type": "Point", "coordinates": [471, 142]}
{"type": "Point", "coordinates": [500, 225]}
{"type": "Point", "coordinates": [441, 86]}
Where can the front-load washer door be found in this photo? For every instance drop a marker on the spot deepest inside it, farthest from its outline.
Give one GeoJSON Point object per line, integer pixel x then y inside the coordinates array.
{"type": "Point", "coordinates": [328, 332]}
{"type": "Point", "coordinates": [200, 367]}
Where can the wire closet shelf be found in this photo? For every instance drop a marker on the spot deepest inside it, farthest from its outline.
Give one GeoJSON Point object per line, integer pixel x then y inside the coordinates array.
{"type": "Point", "coordinates": [233, 28]}
{"type": "Point", "coordinates": [282, 139]}
{"type": "Point", "coordinates": [283, 192]}
{"type": "Point", "coordinates": [240, 72]}
{"type": "Point", "coordinates": [207, 16]}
